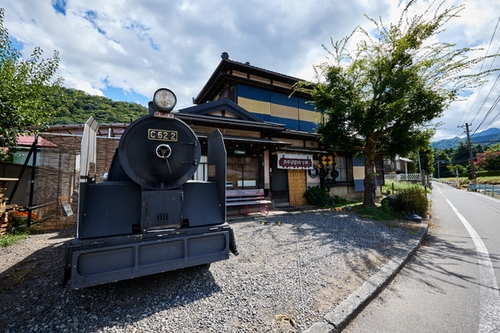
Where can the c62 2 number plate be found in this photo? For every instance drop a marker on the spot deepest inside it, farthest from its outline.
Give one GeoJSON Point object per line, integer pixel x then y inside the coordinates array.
{"type": "Point", "coordinates": [162, 135]}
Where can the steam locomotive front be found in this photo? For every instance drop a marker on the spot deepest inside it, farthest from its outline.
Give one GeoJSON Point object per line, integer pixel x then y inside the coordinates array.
{"type": "Point", "coordinates": [159, 151]}
{"type": "Point", "coordinates": [149, 215]}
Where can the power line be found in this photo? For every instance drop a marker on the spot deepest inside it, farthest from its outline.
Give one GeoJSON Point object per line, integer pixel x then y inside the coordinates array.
{"type": "Point", "coordinates": [491, 108]}
{"type": "Point", "coordinates": [481, 68]}
{"type": "Point", "coordinates": [489, 112]}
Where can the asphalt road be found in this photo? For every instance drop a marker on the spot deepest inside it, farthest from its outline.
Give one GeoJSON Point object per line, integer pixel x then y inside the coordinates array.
{"type": "Point", "coordinates": [451, 284]}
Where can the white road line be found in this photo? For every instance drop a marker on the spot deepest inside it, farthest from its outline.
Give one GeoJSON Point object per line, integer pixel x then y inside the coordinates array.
{"type": "Point", "coordinates": [489, 313]}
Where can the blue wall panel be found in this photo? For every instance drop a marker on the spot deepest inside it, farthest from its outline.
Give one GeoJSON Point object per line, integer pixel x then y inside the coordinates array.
{"type": "Point", "coordinates": [307, 126]}
{"type": "Point", "coordinates": [264, 117]}
{"type": "Point", "coordinates": [297, 103]}
{"type": "Point", "coordinates": [289, 123]}
{"type": "Point", "coordinates": [359, 185]}
{"type": "Point", "coordinates": [358, 161]}
{"type": "Point", "coordinates": [306, 105]}
{"type": "Point", "coordinates": [254, 93]}
{"type": "Point", "coordinates": [283, 99]}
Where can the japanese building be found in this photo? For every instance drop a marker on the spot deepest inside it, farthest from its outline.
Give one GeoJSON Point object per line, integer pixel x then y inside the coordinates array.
{"type": "Point", "coordinates": [269, 134]}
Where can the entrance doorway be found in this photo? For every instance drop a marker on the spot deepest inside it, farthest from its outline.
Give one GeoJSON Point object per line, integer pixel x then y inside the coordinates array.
{"type": "Point", "coordinates": [279, 183]}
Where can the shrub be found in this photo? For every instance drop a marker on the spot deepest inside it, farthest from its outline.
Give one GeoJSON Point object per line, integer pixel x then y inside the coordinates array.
{"type": "Point", "coordinates": [317, 196]}
{"type": "Point", "coordinates": [339, 201]}
{"type": "Point", "coordinates": [390, 204]}
{"type": "Point", "coordinates": [413, 199]}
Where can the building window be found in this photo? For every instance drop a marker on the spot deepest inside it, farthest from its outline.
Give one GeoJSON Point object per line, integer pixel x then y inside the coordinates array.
{"type": "Point", "coordinates": [344, 167]}
{"type": "Point", "coordinates": [242, 172]}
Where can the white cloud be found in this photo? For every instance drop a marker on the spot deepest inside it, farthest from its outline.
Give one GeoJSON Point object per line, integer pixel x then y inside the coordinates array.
{"type": "Point", "coordinates": [139, 46]}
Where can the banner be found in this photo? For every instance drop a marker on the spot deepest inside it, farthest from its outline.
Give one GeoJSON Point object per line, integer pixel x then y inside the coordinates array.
{"type": "Point", "coordinates": [295, 162]}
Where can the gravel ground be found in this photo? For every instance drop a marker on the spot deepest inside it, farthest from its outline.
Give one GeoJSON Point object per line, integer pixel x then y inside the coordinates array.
{"type": "Point", "coordinates": [291, 270]}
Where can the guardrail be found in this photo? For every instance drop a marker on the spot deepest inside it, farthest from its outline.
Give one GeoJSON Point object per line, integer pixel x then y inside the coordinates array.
{"type": "Point", "coordinates": [493, 190]}
{"type": "Point", "coordinates": [447, 182]}
{"type": "Point", "coordinates": [403, 177]}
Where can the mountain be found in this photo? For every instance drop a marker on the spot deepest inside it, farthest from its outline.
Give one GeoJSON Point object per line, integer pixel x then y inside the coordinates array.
{"type": "Point", "coordinates": [447, 143]}
{"type": "Point", "coordinates": [73, 106]}
{"type": "Point", "coordinates": [487, 137]}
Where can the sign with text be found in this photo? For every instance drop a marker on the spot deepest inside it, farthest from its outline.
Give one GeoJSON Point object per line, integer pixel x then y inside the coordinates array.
{"type": "Point", "coordinates": [295, 162]}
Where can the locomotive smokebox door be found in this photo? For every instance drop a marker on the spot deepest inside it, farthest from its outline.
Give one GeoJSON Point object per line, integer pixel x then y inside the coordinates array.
{"type": "Point", "coordinates": [159, 153]}
{"type": "Point", "coordinates": [161, 210]}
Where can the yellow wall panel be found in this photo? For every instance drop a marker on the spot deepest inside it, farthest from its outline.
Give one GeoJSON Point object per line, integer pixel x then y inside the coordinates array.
{"type": "Point", "coordinates": [307, 115]}
{"type": "Point", "coordinates": [284, 111]}
{"type": "Point", "coordinates": [252, 105]}
{"type": "Point", "coordinates": [358, 172]}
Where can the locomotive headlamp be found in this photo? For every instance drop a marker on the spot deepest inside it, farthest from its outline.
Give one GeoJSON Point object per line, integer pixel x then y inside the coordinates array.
{"type": "Point", "coordinates": [164, 99]}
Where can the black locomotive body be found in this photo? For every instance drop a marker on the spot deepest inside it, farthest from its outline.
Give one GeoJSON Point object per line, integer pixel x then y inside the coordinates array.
{"type": "Point", "coordinates": [149, 216]}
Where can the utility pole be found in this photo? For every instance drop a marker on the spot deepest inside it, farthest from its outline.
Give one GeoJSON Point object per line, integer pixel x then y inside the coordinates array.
{"type": "Point", "coordinates": [472, 175]}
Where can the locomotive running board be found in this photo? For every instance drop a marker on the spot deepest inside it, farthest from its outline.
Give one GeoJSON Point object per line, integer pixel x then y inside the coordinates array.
{"type": "Point", "coordinates": [111, 263]}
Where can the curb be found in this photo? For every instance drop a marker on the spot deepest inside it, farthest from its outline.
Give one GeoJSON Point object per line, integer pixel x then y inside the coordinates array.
{"type": "Point", "coordinates": [341, 315]}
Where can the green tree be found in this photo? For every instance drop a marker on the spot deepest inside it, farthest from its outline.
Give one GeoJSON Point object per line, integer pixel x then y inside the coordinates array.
{"type": "Point", "coordinates": [460, 154]}
{"type": "Point", "coordinates": [383, 96]}
{"type": "Point", "coordinates": [442, 163]}
{"type": "Point", "coordinates": [23, 86]}
{"type": "Point", "coordinates": [460, 158]}
{"type": "Point", "coordinates": [75, 107]}
{"type": "Point", "coordinates": [490, 159]}
{"type": "Point", "coordinates": [426, 155]}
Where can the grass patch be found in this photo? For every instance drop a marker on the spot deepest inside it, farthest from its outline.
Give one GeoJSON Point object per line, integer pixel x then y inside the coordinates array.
{"type": "Point", "coordinates": [483, 177]}
{"type": "Point", "coordinates": [391, 187]}
{"type": "Point", "coordinates": [14, 237]}
{"type": "Point", "coordinates": [375, 213]}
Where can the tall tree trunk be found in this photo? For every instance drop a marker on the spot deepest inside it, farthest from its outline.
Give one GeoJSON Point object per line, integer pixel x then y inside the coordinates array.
{"type": "Point", "coordinates": [370, 176]}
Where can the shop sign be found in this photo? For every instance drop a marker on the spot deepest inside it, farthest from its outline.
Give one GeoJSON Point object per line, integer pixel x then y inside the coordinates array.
{"type": "Point", "coordinates": [296, 162]}
{"type": "Point", "coordinates": [240, 152]}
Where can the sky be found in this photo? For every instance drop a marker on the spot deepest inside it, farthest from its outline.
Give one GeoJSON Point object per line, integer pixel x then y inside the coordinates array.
{"type": "Point", "coordinates": [126, 49]}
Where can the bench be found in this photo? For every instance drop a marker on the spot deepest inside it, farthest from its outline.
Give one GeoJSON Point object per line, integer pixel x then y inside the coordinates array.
{"type": "Point", "coordinates": [246, 198]}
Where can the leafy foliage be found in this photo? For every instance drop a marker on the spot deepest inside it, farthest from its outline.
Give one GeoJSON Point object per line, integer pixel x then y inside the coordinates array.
{"type": "Point", "coordinates": [317, 196]}
{"type": "Point", "coordinates": [489, 160]}
{"type": "Point", "coordinates": [18, 232]}
{"type": "Point", "coordinates": [398, 186]}
{"type": "Point", "coordinates": [408, 199]}
{"type": "Point", "coordinates": [460, 154]}
{"type": "Point", "coordinates": [376, 213]}
{"type": "Point", "coordinates": [449, 161]}
{"type": "Point", "coordinates": [12, 238]}
{"type": "Point", "coordinates": [76, 106]}
{"type": "Point", "coordinates": [23, 86]}
{"type": "Point", "coordinates": [426, 156]}
{"type": "Point", "coordinates": [413, 199]}
{"type": "Point", "coordinates": [383, 95]}
{"type": "Point", "coordinates": [443, 162]}
{"type": "Point", "coordinates": [339, 201]}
